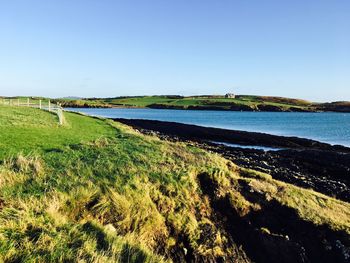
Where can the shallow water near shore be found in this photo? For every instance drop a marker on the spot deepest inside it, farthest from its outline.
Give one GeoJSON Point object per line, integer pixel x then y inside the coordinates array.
{"type": "Point", "coordinates": [255, 147]}
{"type": "Point", "coordinates": [329, 127]}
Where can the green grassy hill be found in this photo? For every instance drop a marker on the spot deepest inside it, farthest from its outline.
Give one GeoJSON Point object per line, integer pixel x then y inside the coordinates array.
{"type": "Point", "coordinates": [242, 102]}
{"type": "Point", "coordinates": [94, 190]}
{"type": "Point", "coordinates": [205, 102]}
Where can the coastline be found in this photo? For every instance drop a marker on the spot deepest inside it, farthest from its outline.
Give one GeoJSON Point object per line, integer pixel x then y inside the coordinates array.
{"type": "Point", "coordinates": [214, 108]}
{"type": "Point", "coordinates": [307, 163]}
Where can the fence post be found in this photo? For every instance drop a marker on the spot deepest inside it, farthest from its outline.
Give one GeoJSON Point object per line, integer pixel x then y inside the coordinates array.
{"type": "Point", "coordinates": [60, 114]}
{"type": "Point", "coordinates": [39, 104]}
{"type": "Point", "coordinates": [49, 105]}
{"type": "Point", "coordinates": [28, 102]}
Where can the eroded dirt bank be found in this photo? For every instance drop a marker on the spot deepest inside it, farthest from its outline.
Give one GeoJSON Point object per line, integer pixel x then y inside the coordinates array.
{"type": "Point", "coordinates": [274, 232]}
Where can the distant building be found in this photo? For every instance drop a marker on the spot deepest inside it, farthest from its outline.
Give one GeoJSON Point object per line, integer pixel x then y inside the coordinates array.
{"type": "Point", "coordinates": [230, 95]}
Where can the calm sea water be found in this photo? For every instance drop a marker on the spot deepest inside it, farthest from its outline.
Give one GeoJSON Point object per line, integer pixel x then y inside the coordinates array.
{"type": "Point", "coordinates": [333, 128]}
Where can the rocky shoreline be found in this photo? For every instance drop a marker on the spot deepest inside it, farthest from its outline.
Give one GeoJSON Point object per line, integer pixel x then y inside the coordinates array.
{"type": "Point", "coordinates": [235, 107]}
{"type": "Point", "coordinates": [327, 107]}
{"type": "Point", "coordinates": [302, 162]}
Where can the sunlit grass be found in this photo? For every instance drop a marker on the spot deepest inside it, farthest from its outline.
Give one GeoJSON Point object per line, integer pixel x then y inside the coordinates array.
{"type": "Point", "coordinates": [24, 129]}
{"type": "Point", "coordinates": [98, 191]}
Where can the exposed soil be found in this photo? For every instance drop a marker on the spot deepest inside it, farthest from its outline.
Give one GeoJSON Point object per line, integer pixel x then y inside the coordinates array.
{"type": "Point", "coordinates": [287, 238]}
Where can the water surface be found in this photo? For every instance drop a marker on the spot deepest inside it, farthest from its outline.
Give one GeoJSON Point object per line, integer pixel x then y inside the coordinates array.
{"type": "Point", "coordinates": [253, 147]}
{"type": "Point", "coordinates": [329, 127]}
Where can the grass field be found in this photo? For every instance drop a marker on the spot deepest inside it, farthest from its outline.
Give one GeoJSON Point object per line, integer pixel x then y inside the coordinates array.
{"type": "Point", "coordinates": [196, 102]}
{"type": "Point", "coordinates": [94, 190]}
{"type": "Point", "coordinates": [205, 101]}
{"type": "Point", "coordinates": [30, 130]}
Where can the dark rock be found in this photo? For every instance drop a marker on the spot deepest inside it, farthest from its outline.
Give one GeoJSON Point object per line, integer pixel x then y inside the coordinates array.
{"type": "Point", "coordinates": [266, 107]}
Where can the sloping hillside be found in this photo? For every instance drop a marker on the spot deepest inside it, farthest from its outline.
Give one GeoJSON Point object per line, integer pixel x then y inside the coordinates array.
{"type": "Point", "coordinates": [211, 102]}
{"type": "Point", "coordinates": [95, 190]}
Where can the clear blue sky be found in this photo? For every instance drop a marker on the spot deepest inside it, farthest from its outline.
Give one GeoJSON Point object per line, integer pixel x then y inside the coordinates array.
{"type": "Point", "coordinates": [101, 48]}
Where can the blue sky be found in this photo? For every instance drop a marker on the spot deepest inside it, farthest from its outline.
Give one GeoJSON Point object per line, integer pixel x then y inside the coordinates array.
{"type": "Point", "coordinates": [111, 48]}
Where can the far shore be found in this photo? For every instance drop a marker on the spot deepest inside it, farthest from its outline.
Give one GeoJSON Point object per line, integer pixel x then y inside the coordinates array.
{"type": "Point", "coordinates": [251, 103]}
{"type": "Point", "coordinates": [199, 109]}
{"type": "Point", "coordinates": [209, 102]}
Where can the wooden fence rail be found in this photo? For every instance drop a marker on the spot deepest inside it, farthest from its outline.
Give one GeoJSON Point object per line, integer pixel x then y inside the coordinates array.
{"type": "Point", "coordinates": [40, 104]}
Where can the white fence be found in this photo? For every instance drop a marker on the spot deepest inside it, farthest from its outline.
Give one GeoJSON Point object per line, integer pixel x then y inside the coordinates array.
{"type": "Point", "coordinates": [36, 103]}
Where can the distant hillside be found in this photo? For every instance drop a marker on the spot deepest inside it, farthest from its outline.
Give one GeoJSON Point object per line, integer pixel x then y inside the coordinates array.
{"type": "Point", "coordinates": [210, 102]}
{"type": "Point", "coordinates": [202, 102]}
{"type": "Point", "coordinates": [339, 106]}
{"type": "Point", "coordinates": [282, 100]}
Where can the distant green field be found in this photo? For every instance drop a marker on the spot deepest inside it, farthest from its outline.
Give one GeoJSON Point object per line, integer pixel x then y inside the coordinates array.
{"type": "Point", "coordinates": [201, 101]}
{"type": "Point", "coordinates": [139, 101]}
{"type": "Point", "coordinates": [241, 102]}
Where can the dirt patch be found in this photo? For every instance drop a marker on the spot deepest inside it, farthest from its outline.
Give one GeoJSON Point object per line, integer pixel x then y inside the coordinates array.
{"type": "Point", "coordinates": [275, 233]}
